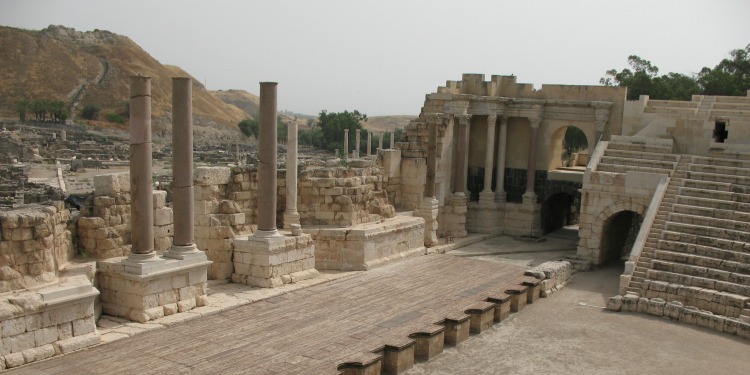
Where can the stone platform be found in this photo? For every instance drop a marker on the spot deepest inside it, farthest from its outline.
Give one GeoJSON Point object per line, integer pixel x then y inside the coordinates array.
{"type": "Point", "coordinates": [366, 246]}
{"type": "Point", "coordinates": [390, 310]}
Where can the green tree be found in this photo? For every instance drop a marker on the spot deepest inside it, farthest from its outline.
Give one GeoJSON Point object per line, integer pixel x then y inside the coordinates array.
{"type": "Point", "coordinates": [729, 77]}
{"type": "Point", "coordinates": [281, 130]}
{"type": "Point", "coordinates": [639, 81]}
{"type": "Point", "coordinates": [250, 127]}
{"type": "Point", "coordinates": [332, 127]}
{"type": "Point", "coordinates": [91, 112]}
{"type": "Point", "coordinates": [22, 107]}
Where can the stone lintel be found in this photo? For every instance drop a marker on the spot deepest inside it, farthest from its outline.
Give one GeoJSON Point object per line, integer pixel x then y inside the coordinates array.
{"type": "Point", "coordinates": [166, 267]}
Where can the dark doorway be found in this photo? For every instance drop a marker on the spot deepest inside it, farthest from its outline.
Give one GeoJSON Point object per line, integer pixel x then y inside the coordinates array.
{"type": "Point", "coordinates": [619, 234]}
{"type": "Point", "coordinates": [720, 131]}
{"type": "Point", "coordinates": [557, 212]}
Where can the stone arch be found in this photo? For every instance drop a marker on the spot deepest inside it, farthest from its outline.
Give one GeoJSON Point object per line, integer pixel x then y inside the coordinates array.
{"type": "Point", "coordinates": [556, 142]}
{"type": "Point", "coordinates": [601, 222]}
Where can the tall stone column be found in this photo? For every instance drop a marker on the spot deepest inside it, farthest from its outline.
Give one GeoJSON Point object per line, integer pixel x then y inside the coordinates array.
{"type": "Point", "coordinates": [183, 244]}
{"type": "Point", "coordinates": [461, 151]}
{"type": "Point", "coordinates": [487, 196]}
{"type": "Point", "coordinates": [428, 208]}
{"type": "Point", "coordinates": [267, 162]}
{"type": "Point", "coordinates": [369, 142]}
{"type": "Point", "coordinates": [502, 147]}
{"type": "Point", "coordinates": [393, 140]}
{"type": "Point", "coordinates": [346, 143]}
{"type": "Point", "coordinates": [291, 216]}
{"type": "Point", "coordinates": [531, 164]}
{"type": "Point", "coordinates": [141, 190]}
{"type": "Point", "coordinates": [380, 141]}
{"type": "Point", "coordinates": [357, 141]}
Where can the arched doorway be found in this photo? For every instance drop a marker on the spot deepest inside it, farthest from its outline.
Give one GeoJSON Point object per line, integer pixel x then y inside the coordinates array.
{"type": "Point", "coordinates": [618, 235]}
{"type": "Point", "coordinates": [567, 142]}
{"type": "Point", "coordinates": [558, 211]}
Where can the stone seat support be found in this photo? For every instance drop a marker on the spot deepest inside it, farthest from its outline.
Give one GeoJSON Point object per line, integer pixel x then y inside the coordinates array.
{"type": "Point", "coordinates": [429, 342]}
{"type": "Point", "coordinates": [730, 178]}
{"type": "Point", "coordinates": [502, 305]}
{"type": "Point", "coordinates": [721, 162]}
{"type": "Point", "coordinates": [703, 261]}
{"type": "Point", "coordinates": [717, 186]}
{"type": "Point", "coordinates": [457, 328]}
{"type": "Point", "coordinates": [708, 275]}
{"type": "Point", "coordinates": [482, 316]}
{"type": "Point", "coordinates": [722, 303]}
{"type": "Point", "coordinates": [718, 243]}
{"type": "Point", "coordinates": [639, 147]}
{"type": "Point", "coordinates": [640, 155]}
{"type": "Point", "coordinates": [518, 297]}
{"type": "Point", "coordinates": [714, 169]}
{"type": "Point", "coordinates": [718, 233]}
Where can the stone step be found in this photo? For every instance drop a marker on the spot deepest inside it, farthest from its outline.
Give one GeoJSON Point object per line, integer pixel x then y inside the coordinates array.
{"type": "Point", "coordinates": [640, 274]}
{"type": "Point", "coordinates": [712, 212]}
{"type": "Point", "coordinates": [718, 186]}
{"type": "Point", "coordinates": [640, 147]}
{"type": "Point", "coordinates": [715, 169]}
{"type": "Point", "coordinates": [730, 178]}
{"type": "Point", "coordinates": [709, 222]}
{"type": "Point", "coordinates": [711, 232]}
{"type": "Point", "coordinates": [723, 154]}
{"type": "Point", "coordinates": [643, 263]}
{"type": "Point", "coordinates": [614, 168]}
{"type": "Point", "coordinates": [681, 278]}
{"type": "Point", "coordinates": [725, 250]}
{"type": "Point", "coordinates": [640, 155]}
{"type": "Point", "coordinates": [704, 272]}
{"type": "Point", "coordinates": [638, 162]}
{"type": "Point", "coordinates": [714, 194]}
{"type": "Point", "coordinates": [721, 162]}
{"type": "Point", "coordinates": [713, 203]}
{"type": "Point", "coordinates": [716, 301]}
{"type": "Point", "coordinates": [634, 289]}
{"type": "Point", "coordinates": [702, 261]}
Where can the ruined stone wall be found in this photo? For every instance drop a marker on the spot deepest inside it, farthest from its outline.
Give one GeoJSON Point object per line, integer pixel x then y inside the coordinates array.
{"type": "Point", "coordinates": [104, 226]}
{"type": "Point", "coordinates": [34, 244]}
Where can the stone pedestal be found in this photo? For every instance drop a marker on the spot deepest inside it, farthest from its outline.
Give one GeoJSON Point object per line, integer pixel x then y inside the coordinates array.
{"type": "Point", "coordinates": [428, 210]}
{"type": "Point", "coordinates": [455, 216]}
{"type": "Point", "coordinates": [269, 262]}
{"type": "Point", "coordinates": [170, 286]}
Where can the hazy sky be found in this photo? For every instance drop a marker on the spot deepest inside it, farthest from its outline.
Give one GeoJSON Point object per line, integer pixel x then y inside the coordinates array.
{"type": "Point", "coordinates": [381, 57]}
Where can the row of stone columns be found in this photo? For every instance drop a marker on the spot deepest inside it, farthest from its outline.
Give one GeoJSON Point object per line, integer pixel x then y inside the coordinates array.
{"type": "Point", "coordinates": [369, 141]}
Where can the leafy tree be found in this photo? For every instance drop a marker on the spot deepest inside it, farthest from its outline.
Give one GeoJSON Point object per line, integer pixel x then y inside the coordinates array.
{"type": "Point", "coordinates": [332, 126]}
{"type": "Point", "coordinates": [91, 112]}
{"type": "Point", "coordinates": [729, 77]}
{"type": "Point", "coordinates": [22, 107]}
{"type": "Point", "coordinates": [250, 127]}
{"type": "Point", "coordinates": [281, 130]}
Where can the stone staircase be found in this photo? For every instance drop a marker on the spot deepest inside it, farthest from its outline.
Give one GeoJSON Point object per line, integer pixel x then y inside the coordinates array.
{"type": "Point", "coordinates": [620, 157]}
{"type": "Point", "coordinates": [698, 250]}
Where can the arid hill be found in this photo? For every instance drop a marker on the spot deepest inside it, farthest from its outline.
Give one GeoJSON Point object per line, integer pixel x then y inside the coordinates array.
{"type": "Point", "coordinates": [94, 67]}
{"type": "Point", "coordinates": [388, 123]}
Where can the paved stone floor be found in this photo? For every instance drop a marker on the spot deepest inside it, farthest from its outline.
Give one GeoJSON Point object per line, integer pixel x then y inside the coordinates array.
{"type": "Point", "coordinates": [307, 331]}
{"type": "Point", "coordinates": [571, 333]}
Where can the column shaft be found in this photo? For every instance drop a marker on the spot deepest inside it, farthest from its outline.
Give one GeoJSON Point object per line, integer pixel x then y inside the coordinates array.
{"type": "Point", "coordinates": [502, 146]}
{"type": "Point", "coordinates": [490, 156]}
{"type": "Point", "coordinates": [429, 187]}
{"type": "Point", "coordinates": [182, 160]}
{"type": "Point", "coordinates": [380, 141]}
{"type": "Point", "coordinates": [141, 190]}
{"type": "Point", "coordinates": [290, 213]}
{"type": "Point", "coordinates": [369, 142]}
{"type": "Point", "coordinates": [346, 143]}
{"type": "Point", "coordinates": [267, 161]}
{"type": "Point", "coordinates": [393, 140]}
{"type": "Point", "coordinates": [357, 141]}
{"type": "Point", "coordinates": [531, 164]}
{"type": "Point", "coordinates": [460, 174]}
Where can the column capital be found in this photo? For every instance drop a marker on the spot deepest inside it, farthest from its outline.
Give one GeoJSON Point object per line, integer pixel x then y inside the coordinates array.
{"type": "Point", "coordinates": [492, 119]}
{"type": "Point", "coordinates": [535, 122]}
{"type": "Point", "coordinates": [463, 119]}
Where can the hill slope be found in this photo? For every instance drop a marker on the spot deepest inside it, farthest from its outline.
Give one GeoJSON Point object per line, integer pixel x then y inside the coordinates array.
{"type": "Point", "coordinates": [94, 67]}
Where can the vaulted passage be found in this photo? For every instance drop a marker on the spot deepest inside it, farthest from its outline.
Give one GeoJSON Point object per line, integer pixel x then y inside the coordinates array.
{"type": "Point", "coordinates": [619, 233]}
{"type": "Point", "coordinates": [558, 211]}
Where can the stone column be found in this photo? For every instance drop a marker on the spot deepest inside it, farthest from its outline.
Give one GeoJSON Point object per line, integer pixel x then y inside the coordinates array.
{"type": "Point", "coordinates": [63, 135]}
{"type": "Point", "coordinates": [369, 142]}
{"type": "Point", "coordinates": [182, 169]}
{"type": "Point", "coordinates": [267, 162]}
{"type": "Point", "coordinates": [346, 143]}
{"type": "Point", "coordinates": [380, 141]}
{"type": "Point", "coordinates": [141, 190]}
{"type": "Point", "coordinates": [487, 196]}
{"type": "Point", "coordinates": [357, 141]}
{"type": "Point", "coordinates": [291, 216]}
{"type": "Point", "coordinates": [393, 140]}
{"type": "Point", "coordinates": [461, 151]}
{"type": "Point", "coordinates": [531, 164]}
{"type": "Point", "coordinates": [502, 147]}
{"type": "Point", "coordinates": [428, 209]}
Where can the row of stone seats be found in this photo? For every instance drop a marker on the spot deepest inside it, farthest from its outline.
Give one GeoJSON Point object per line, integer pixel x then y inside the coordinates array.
{"type": "Point", "coordinates": [625, 154]}
{"type": "Point", "coordinates": [703, 256]}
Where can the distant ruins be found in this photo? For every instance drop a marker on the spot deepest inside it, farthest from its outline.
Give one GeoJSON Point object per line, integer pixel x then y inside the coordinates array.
{"type": "Point", "coordinates": [662, 184]}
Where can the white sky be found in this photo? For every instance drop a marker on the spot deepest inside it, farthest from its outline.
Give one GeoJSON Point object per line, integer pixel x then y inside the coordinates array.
{"type": "Point", "coordinates": [381, 57]}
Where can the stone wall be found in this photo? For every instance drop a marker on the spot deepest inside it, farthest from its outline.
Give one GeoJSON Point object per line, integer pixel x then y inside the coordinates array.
{"type": "Point", "coordinates": [104, 226]}
{"type": "Point", "coordinates": [35, 243]}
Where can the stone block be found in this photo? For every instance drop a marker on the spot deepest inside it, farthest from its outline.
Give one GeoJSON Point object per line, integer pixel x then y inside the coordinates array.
{"type": "Point", "coordinates": [160, 198]}
{"type": "Point", "coordinates": [163, 216]}
{"type": "Point", "coordinates": [45, 336]}
{"type": "Point", "coordinates": [186, 305]}
{"type": "Point", "coordinates": [398, 357]}
{"type": "Point", "coordinates": [77, 343]}
{"type": "Point", "coordinates": [112, 184]}
{"type": "Point", "coordinates": [38, 353]}
{"type": "Point", "coordinates": [212, 176]}
{"type": "Point", "coordinates": [14, 360]}
{"type": "Point", "coordinates": [456, 329]}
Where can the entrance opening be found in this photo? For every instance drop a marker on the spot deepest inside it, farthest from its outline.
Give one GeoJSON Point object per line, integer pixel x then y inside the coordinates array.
{"type": "Point", "coordinates": [569, 148]}
{"type": "Point", "coordinates": [720, 131]}
{"type": "Point", "coordinates": [619, 233]}
{"type": "Point", "coordinates": [558, 211]}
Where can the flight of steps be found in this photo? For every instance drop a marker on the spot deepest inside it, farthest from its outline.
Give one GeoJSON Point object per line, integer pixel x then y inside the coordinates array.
{"type": "Point", "coordinates": [698, 251]}
{"type": "Point", "coordinates": [620, 157]}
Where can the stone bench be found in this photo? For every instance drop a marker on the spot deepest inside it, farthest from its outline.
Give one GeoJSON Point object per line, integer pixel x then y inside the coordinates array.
{"type": "Point", "coordinates": [712, 203]}
{"type": "Point", "coordinates": [518, 297]}
{"type": "Point", "coordinates": [733, 179]}
{"type": "Point", "coordinates": [703, 261]}
{"type": "Point", "coordinates": [714, 194]}
{"type": "Point", "coordinates": [430, 342]}
{"type": "Point", "coordinates": [714, 169]}
{"type": "Point", "coordinates": [482, 316]}
{"type": "Point", "coordinates": [640, 147]}
{"type": "Point", "coordinates": [721, 249]}
{"type": "Point", "coordinates": [721, 162]}
{"type": "Point", "coordinates": [707, 185]}
{"type": "Point", "coordinates": [674, 273]}
{"type": "Point", "coordinates": [638, 162]}
{"type": "Point", "coordinates": [709, 222]}
{"type": "Point", "coordinates": [640, 155]}
{"type": "Point", "coordinates": [362, 364]}
{"type": "Point", "coordinates": [616, 168]}
{"type": "Point", "coordinates": [457, 328]}
{"type": "Point", "coordinates": [711, 232]}
{"type": "Point", "coordinates": [712, 212]}
{"type": "Point", "coordinates": [718, 302]}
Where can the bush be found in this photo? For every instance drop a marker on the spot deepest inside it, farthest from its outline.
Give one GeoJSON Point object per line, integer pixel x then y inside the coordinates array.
{"type": "Point", "coordinates": [91, 112]}
{"type": "Point", "coordinates": [114, 117]}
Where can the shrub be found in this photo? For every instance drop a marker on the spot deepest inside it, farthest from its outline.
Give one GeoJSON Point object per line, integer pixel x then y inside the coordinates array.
{"type": "Point", "coordinates": [114, 117]}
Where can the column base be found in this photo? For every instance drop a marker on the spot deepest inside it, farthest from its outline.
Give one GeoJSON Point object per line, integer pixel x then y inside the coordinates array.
{"type": "Point", "coordinates": [185, 252]}
{"type": "Point", "coordinates": [272, 261]}
{"type": "Point", "coordinates": [167, 287]}
{"type": "Point", "coordinates": [267, 233]}
{"type": "Point", "coordinates": [143, 264]}
{"type": "Point", "coordinates": [487, 199]}
{"type": "Point", "coordinates": [291, 218]}
{"type": "Point", "coordinates": [500, 197]}
{"type": "Point", "coordinates": [529, 197]}
{"type": "Point", "coordinates": [428, 210]}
